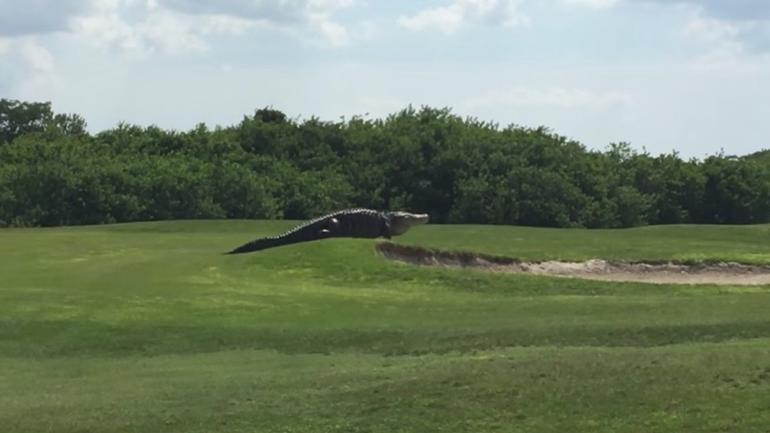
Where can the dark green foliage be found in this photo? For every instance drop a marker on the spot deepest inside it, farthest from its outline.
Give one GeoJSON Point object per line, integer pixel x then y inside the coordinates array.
{"type": "Point", "coordinates": [426, 160]}
{"type": "Point", "coordinates": [18, 118]}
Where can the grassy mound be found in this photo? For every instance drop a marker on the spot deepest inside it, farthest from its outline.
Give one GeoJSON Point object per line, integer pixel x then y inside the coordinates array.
{"type": "Point", "coordinates": [149, 327]}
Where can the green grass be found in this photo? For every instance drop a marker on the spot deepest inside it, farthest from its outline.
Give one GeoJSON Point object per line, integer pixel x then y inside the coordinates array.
{"type": "Point", "coordinates": [679, 243]}
{"type": "Point", "coordinates": [149, 327]}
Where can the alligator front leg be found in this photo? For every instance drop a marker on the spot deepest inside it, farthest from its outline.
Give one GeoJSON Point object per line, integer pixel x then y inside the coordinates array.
{"type": "Point", "coordinates": [386, 230]}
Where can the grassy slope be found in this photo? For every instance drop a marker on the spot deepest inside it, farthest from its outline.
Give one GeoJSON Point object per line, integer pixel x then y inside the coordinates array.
{"type": "Point", "coordinates": [147, 327]}
{"type": "Point", "coordinates": [746, 244]}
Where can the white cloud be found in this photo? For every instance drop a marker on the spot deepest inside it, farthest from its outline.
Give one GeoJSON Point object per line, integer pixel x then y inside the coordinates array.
{"type": "Point", "coordinates": [367, 30]}
{"type": "Point", "coordinates": [267, 11]}
{"type": "Point", "coordinates": [172, 33]}
{"type": "Point", "coordinates": [26, 67]}
{"type": "Point", "coordinates": [37, 57]}
{"type": "Point", "coordinates": [722, 38]}
{"type": "Point", "coordinates": [726, 43]}
{"type": "Point", "coordinates": [180, 27]}
{"type": "Point", "coordinates": [5, 46]}
{"type": "Point", "coordinates": [448, 19]}
{"type": "Point", "coordinates": [596, 4]}
{"type": "Point", "coordinates": [333, 33]}
{"type": "Point", "coordinates": [136, 26]}
{"type": "Point", "coordinates": [556, 97]}
{"type": "Point", "coordinates": [726, 29]}
{"type": "Point", "coordinates": [41, 74]}
{"type": "Point", "coordinates": [308, 19]}
{"type": "Point", "coordinates": [730, 26]}
{"type": "Point", "coordinates": [740, 10]}
{"type": "Point", "coordinates": [226, 25]}
{"type": "Point", "coordinates": [711, 30]}
{"type": "Point", "coordinates": [105, 27]}
{"type": "Point", "coordinates": [171, 26]}
{"type": "Point", "coordinates": [723, 45]}
{"type": "Point", "coordinates": [20, 18]}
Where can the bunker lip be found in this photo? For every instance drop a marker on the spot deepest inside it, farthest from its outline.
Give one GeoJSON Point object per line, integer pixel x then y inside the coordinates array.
{"type": "Point", "coordinates": [718, 273]}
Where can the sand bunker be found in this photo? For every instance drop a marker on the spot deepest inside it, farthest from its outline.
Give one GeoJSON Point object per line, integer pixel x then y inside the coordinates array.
{"type": "Point", "coordinates": [668, 273]}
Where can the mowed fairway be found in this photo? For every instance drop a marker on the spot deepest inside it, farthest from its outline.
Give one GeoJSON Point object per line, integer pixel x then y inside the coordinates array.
{"type": "Point", "coordinates": [150, 328]}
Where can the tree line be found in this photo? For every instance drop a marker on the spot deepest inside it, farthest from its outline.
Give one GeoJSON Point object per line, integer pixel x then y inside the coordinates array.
{"type": "Point", "coordinates": [459, 170]}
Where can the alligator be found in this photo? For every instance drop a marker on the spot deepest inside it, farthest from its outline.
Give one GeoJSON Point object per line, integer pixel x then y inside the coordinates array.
{"type": "Point", "coordinates": [349, 223]}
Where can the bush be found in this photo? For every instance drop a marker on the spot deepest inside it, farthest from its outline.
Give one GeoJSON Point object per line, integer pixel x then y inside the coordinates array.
{"type": "Point", "coordinates": [428, 160]}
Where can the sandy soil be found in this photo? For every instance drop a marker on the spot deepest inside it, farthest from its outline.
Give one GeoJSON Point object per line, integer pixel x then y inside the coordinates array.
{"type": "Point", "coordinates": [668, 273]}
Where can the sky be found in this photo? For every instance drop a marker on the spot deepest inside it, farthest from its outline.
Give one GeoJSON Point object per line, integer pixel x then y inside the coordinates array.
{"type": "Point", "coordinates": [691, 76]}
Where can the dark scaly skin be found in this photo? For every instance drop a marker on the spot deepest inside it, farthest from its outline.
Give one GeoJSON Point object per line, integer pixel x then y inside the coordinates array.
{"type": "Point", "coordinates": [351, 223]}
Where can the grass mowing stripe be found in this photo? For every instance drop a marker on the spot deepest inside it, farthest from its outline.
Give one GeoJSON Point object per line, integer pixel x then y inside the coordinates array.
{"type": "Point", "coordinates": [690, 387]}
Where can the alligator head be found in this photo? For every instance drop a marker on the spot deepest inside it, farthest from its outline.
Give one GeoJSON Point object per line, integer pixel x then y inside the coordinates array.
{"type": "Point", "coordinates": [400, 221]}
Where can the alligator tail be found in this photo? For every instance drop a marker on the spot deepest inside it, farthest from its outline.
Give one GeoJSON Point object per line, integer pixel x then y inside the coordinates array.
{"type": "Point", "coordinates": [290, 237]}
{"type": "Point", "coordinates": [256, 245]}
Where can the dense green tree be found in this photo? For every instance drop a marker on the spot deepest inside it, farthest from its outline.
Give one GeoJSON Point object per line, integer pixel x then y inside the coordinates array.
{"type": "Point", "coordinates": [460, 170]}
{"type": "Point", "coordinates": [18, 118]}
